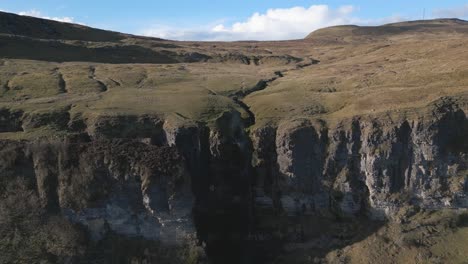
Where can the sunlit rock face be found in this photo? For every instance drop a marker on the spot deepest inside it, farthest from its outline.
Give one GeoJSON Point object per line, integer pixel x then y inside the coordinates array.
{"type": "Point", "coordinates": [366, 164]}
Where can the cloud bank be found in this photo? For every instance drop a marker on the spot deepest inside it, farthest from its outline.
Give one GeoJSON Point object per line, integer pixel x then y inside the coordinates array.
{"type": "Point", "coordinates": [274, 24]}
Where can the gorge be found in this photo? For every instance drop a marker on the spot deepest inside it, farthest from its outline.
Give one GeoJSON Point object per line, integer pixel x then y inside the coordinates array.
{"type": "Point", "coordinates": [349, 144]}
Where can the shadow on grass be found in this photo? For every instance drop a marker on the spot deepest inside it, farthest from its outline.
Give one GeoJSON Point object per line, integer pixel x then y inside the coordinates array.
{"type": "Point", "coordinates": [16, 47]}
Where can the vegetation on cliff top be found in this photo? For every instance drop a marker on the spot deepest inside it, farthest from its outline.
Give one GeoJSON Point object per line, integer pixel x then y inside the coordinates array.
{"type": "Point", "coordinates": [400, 70]}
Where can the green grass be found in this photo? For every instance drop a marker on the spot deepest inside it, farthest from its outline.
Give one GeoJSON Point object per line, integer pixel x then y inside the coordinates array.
{"type": "Point", "coordinates": [391, 75]}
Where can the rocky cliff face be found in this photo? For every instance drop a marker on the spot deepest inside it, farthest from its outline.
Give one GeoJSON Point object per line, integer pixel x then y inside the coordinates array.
{"type": "Point", "coordinates": [97, 186]}
{"type": "Point", "coordinates": [176, 184]}
{"type": "Point", "coordinates": [163, 183]}
{"type": "Point", "coordinates": [367, 164]}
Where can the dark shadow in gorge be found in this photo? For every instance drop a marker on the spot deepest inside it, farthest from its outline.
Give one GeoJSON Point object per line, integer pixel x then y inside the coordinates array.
{"type": "Point", "coordinates": [239, 233]}
{"type": "Point", "coordinates": [221, 187]}
{"type": "Point", "coordinates": [234, 230]}
{"type": "Point", "coordinates": [276, 238]}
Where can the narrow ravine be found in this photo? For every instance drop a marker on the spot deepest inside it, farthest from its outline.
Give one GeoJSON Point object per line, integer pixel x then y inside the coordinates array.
{"type": "Point", "coordinates": [261, 85]}
{"type": "Point", "coordinates": [229, 227]}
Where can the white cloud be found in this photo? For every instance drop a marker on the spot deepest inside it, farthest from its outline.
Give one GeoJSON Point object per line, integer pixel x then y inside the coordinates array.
{"type": "Point", "coordinates": [36, 13]}
{"type": "Point", "coordinates": [274, 24]}
{"type": "Point", "coordinates": [456, 12]}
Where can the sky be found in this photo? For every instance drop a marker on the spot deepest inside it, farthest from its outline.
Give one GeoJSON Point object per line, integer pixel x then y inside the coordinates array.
{"type": "Point", "coordinates": [232, 20]}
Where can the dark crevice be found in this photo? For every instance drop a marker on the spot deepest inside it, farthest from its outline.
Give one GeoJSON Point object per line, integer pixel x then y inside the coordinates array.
{"type": "Point", "coordinates": [260, 86]}
{"type": "Point", "coordinates": [102, 86]}
{"type": "Point", "coordinates": [239, 95]}
{"type": "Point", "coordinates": [224, 211]}
{"type": "Point", "coordinates": [115, 82]}
{"type": "Point", "coordinates": [356, 177]}
{"type": "Point", "coordinates": [221, 188]}
{"type": "Point", "coordinates": [211, 92]}
{"type": "Point", "coordinates": [141, 82]}
{"type": "Point", "coordinates": [307, 64]}
{"type": "Point", "coordinates": [47, 173]}
{"type": "Point", "coordinates": [92, 75]}
{"type": "Point", "coordinates": [62, 84]}
{"type": "Point", "coordinates": [7, 86]}
{"type": "Point", "coordinates": [401, 152]}
{"type": "Point", "coordinates": [92, 72]}
{"type": "Point", "coordinates": [250, 121]}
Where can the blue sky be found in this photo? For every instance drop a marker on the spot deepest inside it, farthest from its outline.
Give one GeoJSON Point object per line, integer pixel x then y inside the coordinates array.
{"type": "Point", "coordinates": [231, 20]}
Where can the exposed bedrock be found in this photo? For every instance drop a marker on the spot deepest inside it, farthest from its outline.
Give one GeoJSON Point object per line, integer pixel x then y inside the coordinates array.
{"type": "Point", "coordinates": [140, 177]}
{"type": "Point", "coordinates": [364, 165]}
{"type": "Point", "coordinates": [130, 187]}
{"type": "Point", "coordinates": [177, 182]}
{"type": "Point", "coordinates": [218, 157]}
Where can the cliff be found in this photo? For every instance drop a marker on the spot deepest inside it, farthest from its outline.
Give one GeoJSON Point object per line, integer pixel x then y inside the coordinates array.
{"type": "Point", "coordinates": [251, 152]}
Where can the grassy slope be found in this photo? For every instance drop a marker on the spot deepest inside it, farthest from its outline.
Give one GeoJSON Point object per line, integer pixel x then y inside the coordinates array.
{"type": "Point", "coordinates": [368, 70]}
{"type": "Point", "coordinates": [386, 74]}
{"type": "Point", "coordinates": [359, 73]}
{"type": "Point", "coordinates": [91, 90]}
{"type": "Point", "coordinates": [426, 237]}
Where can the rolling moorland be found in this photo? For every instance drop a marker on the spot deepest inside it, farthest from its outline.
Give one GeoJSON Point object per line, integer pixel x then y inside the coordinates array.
{"type": "Point", "coordinates": [347, 146]}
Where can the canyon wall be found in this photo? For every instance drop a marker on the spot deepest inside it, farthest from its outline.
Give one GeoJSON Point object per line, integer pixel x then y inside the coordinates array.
{"type": "Point", "coordinates": [211, 188]}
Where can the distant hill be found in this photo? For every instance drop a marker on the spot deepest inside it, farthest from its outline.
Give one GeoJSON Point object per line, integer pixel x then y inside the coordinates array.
{"type": "Point", "coordinates": [24, 37]}
{"type": "Point", "coordinates": [419, 26]}
{"type": "Point", "coordinates": [49, 29]}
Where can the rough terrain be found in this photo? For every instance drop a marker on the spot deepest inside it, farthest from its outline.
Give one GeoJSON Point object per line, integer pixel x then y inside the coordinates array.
{"type": "Point", "coordinates": [349, 146]}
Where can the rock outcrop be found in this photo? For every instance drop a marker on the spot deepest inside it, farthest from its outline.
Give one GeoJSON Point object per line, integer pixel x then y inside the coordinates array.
{"type": "Point", "coordinates": [214, 183]}
{"type": "Point", "coordinates": [368, 164]}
